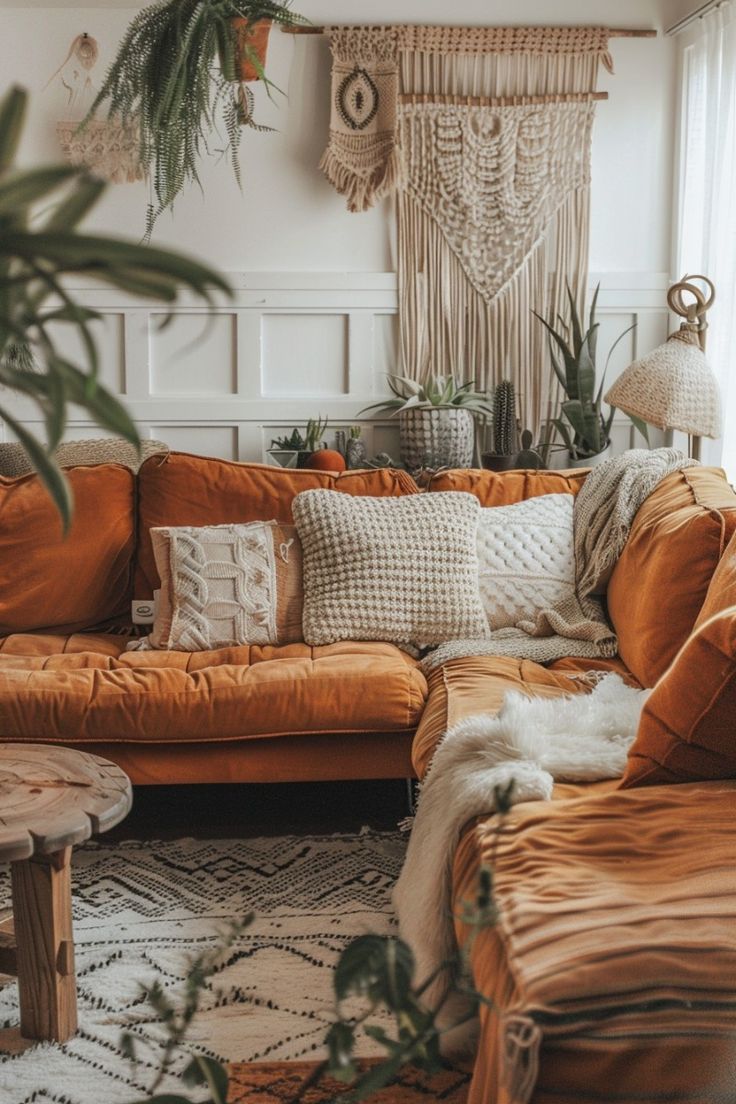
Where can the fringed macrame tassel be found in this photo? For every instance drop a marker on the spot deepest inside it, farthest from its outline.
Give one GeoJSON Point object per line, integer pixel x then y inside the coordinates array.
{"type": "Point", "coordinates": [521, 1039]}
{"type": "Point", "coordinates": [362, 187]}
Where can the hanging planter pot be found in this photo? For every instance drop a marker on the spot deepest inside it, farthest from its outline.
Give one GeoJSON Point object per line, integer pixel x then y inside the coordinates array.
{"type": "Point", "coordinates": [436, 437]}
{"type": "Point", "coordinates": [252, 40]}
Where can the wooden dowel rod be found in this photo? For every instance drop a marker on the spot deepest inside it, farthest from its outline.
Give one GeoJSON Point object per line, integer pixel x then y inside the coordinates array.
{"type": "Point", "coordinates": [614, 32]}
{"type": "Point", "coordinates": [498, 101]}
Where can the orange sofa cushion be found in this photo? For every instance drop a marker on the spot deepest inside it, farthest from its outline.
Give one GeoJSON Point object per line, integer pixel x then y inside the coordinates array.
{"type": "Point", "coordinates": [616, 916]}
{"type": "Point", "coordinates": [195, 490]}
{"type": "Point", "coordinates": [479, 684]}
{"type": "Point", "coordinates": [687, 731]}
{"type": "Point", "coordinates": [505, 488]}
{"type": "Point", "coordinates": [77, 581]}
{"type": "Point", "coordinates": [87, 688]}
{"type": "Point", "coordinates": [661, 579]}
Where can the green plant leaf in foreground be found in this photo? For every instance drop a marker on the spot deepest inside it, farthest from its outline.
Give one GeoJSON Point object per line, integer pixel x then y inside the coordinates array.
{"type": "Point", "coordinates": [37, 254]}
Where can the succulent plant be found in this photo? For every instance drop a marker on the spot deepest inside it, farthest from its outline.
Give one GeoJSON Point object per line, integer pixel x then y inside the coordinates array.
{"type": "Point", "coordinates": [313, 434]}
{"type": "Point", "coordinates": [437, 391]}
{"type": "Point", "coordinates": [294, 442]}
{"type": "Point", "coordinates": [504, 419]}
{"type": "Point", "coordinates": [584, 428]}
{"type": "Point", "coordinates": [528, 457]}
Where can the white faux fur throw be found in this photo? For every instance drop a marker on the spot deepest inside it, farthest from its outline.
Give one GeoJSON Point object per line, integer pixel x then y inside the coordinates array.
{"type": "Point", "coordinates": [536, 741]}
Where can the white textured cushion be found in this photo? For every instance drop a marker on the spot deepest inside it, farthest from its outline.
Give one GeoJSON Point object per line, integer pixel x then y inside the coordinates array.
{"type": "Point", "coordinates": [526, 558]}
{"type": "Point", "coordinates": [403, 570]}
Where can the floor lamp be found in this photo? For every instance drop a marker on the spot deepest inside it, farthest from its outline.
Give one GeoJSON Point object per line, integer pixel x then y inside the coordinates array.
{"type": "Point", "coordinates": [674, 387]}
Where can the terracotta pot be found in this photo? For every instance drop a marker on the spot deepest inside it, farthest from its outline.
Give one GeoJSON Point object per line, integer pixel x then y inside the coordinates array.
{"type": "Point", "coordinates": [256, 36]}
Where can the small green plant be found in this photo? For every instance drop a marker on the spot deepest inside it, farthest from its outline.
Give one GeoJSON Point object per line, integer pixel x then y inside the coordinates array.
{"type": "Point", "coordinates": [437, 391]}
{"type": "Point", "coordinates": [176, 74]}
{"type": "Point", "coordinates": [313, 435]}
{"type": "Point", "coordinates": [583, 426]}
{"type": "Point", "coordinates": [294, 442]}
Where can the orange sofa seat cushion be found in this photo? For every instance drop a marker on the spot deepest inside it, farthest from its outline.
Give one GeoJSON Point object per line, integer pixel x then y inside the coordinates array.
{"type": "Point", "coordinates": [77, 581]}
{"type": "Point", "coordinates": [478, 684]}
{"type": "Point", "coordinates": [660, 582]}
{"type": "Point", "coordinates": [506, 488]}
{"type": "Point", "coordinates": [195, 490]}
{"type": "Point", "coordinates": [612, 936]}
{"type": "Point", "coordinates": [687, 731]}
{"type": "Point", "coordinates": [87, 688]}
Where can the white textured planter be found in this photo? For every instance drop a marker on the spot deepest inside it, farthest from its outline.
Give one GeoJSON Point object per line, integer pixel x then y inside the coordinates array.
{"type": "Point", "coordinates": [593, 461]}
{"type": "Point", "coordinates": [436, 437]}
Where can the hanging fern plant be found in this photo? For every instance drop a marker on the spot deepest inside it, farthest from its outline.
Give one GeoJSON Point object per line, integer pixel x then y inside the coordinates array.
{"type": "Point", "coordinates": [179, 73]}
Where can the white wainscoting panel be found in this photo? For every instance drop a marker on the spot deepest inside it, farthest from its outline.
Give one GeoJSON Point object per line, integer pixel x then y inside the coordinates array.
{"type": "Point", "coordinates": [290, 347]}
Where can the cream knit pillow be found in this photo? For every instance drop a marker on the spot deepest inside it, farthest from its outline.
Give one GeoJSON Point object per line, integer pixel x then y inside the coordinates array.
{"type": "Point", "coordinates": [403, 570]}
{"type": "Point", "coordinates": [226, 585]}
{"type": "Point", "coordinates": [526, 558]}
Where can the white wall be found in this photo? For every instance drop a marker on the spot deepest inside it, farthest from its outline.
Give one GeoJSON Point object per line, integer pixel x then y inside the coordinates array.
{"type": "Point", "coordinates": [289, 225]}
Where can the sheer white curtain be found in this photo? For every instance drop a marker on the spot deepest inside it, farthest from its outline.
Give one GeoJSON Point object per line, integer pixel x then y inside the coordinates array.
{"type": "Point", "coordinates": [706, 223]}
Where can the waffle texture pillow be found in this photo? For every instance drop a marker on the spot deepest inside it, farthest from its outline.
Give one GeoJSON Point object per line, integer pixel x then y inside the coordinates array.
{"type": "Point", "coordinates": [403, 570]}
{"type": "Point", "coordinates": [526, 558]}
{"type": "Point", "coordinates": [226, 585]}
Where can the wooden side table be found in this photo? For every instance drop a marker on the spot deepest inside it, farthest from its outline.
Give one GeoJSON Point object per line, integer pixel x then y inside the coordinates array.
{"type": "Point", "coordinates": [50, 799]}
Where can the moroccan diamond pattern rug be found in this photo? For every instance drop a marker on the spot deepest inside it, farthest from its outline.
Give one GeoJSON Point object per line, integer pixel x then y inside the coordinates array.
{"type": "Point", "coordinates": [143, 910]}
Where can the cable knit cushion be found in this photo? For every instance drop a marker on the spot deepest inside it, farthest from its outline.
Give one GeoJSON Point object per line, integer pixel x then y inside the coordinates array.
{"type": "Point", "coordinates": [226, 585]}
{"type": "Point", "coordinates": [526, 558]}
{"type": "Point", "coordinates": [403, 570]}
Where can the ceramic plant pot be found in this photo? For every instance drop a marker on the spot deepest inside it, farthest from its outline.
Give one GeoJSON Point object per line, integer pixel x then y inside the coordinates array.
{"type": "Point", "coordinates": [256, 36]}
{"type": "Point", "coordinates": [592, 461]}
{"type": "Point", "coordinates": [355, 452]}
{"type": "Point", "coordinates": [436, 437]}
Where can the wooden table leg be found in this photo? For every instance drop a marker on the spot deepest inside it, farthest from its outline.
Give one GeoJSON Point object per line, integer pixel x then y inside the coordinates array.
{"type": "Point", "coordinates": [42, 908]}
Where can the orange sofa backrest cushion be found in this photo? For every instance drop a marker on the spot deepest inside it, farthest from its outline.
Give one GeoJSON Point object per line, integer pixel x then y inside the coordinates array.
{"type": "Point", "coordinates": [195, 490]}
{"type": "Point", "coordinates": [74, 582]}
{"type": "Point", "coordinates": [687, 731]}
{"type": "Point", "coordinates": [506, 488]}
{"type": "Point", "coordinates": [660, 582]}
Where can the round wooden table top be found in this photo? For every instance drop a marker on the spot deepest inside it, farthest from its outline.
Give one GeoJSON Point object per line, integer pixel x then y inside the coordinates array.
{"type": "Point", "coordinates": [53, 797]}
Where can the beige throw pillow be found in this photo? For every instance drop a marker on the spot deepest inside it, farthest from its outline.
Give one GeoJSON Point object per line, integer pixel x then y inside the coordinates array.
{"type": "Point", "coordinates": [526, 558]}
{"type": "Point", "coordinates": [403, 570]}
{"type": "Point", "coordinates": [224, 585]}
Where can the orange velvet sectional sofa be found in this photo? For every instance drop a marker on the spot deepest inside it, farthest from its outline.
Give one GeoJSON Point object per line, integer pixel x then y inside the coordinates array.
{"type": "Point", "coordinates": [612, 969]}
{"type": "Point", "coordinates": [246, 714]}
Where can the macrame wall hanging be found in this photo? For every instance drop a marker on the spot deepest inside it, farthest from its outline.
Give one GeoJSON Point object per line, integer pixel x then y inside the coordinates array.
{"type": "Point", "coordinates": [485, 135]}
{"type": "Point", "coordinates": [108, 148]}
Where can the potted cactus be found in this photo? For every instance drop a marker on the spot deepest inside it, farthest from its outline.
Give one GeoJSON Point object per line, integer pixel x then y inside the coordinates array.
{"type": "Point", "coordinates": [436, 420]}
{"type": "Point", "coordinates": [502, 456]}
{"type": "Point", "coordinates": [582, 424]}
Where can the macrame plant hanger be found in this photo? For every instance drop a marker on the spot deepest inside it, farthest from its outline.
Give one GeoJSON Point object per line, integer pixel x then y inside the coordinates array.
{"type": "Point", "coordinates": [484, 133]}
{"type": "Point", "coordinates": [109, 148]}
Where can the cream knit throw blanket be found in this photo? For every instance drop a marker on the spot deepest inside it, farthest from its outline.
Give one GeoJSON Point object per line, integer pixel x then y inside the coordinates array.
{"type": "Point", "coordinates": [605, 508]}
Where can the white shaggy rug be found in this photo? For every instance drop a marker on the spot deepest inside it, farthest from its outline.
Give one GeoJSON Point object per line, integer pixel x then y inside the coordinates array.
{"type": "Point", "coordinates": [142, 910]}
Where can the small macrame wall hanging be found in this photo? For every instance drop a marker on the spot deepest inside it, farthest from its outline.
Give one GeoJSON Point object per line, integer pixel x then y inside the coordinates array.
{"type": "Point", "coordinates": [107, 147]}
{"type": "Point", "coordinates": [485, 136]}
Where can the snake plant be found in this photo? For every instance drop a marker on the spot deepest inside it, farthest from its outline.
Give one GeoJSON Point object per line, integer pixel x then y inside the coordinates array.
{"type": "Point", "coordinates": [176, 74]}
{"type": "Point", "coordinates": [583, 426]}
{"type": "Point", "coordinates": [437, 391]}
{"type": "Point", "coordinates": [40, 246]}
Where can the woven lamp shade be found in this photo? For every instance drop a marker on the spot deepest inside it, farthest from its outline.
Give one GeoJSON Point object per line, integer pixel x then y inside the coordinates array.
{"type": "Point", "coordinates": [673, 387]}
